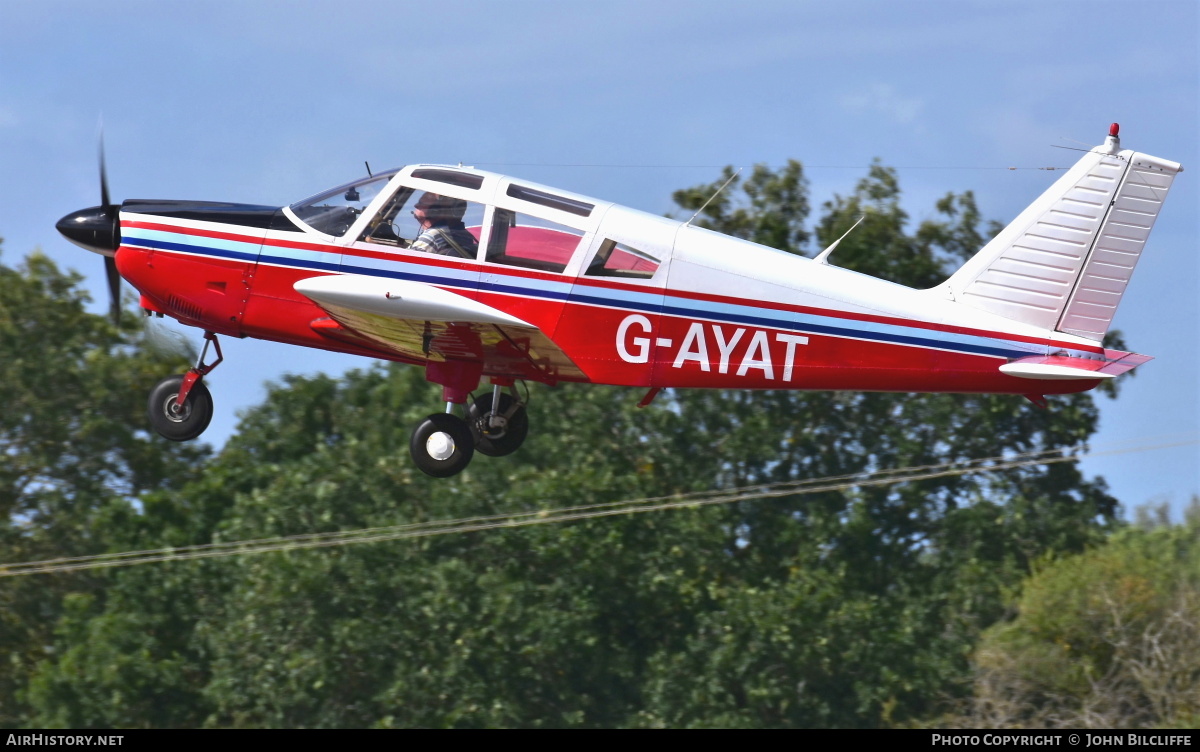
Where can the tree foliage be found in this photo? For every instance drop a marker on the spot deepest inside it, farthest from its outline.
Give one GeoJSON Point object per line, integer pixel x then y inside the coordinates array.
{"type": "Point", "coordinates": [75, 452]}
{"type": "Point", "coordinates": [1109, 638]}
{"type": "Point", "coordinates": [857, 607]}
{"type": "Point", "coordinates": [773, 212]}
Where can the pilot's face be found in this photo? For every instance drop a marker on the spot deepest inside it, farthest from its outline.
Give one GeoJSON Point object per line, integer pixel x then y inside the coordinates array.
{"type": "Point", "coordinates": [422, 219]}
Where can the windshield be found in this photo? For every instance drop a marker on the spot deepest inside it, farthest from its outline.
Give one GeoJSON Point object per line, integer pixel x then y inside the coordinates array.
{"type": "Point", "coordinates": [333, 211]}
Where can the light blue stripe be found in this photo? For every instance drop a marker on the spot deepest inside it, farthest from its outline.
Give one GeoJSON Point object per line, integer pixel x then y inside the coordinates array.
{"type": "Point", "coordinates": [234, 246]}
{"type": "Point", "coordinates": [648, 301]}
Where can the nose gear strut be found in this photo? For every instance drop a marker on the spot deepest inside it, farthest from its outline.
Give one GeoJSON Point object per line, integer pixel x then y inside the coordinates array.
{"type": "Point", "coordinates": [200, 370]}
{"type": "Point", "coordinates": [181, 407]}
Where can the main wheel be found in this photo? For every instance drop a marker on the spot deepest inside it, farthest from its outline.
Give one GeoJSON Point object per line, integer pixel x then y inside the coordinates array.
{"type": "Point", "coordinates": [502, 439]}
{"type": "Point", "coordinates": [179, 422]}
{"type": "Point", "coordinates": [442, 445]}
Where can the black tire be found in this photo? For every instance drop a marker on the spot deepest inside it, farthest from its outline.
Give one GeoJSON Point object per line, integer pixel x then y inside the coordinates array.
{"type": "Point", "coordinates": [497, 442]}
{"type": "Point", "coordinates": [442, 445]}
{"type": "Point", "coordinates": [179, 425]}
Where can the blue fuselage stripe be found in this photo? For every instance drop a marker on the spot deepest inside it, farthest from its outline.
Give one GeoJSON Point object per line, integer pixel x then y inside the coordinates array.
{"type": "Point", "coordinates": [189, 248]}
{"type": "Point", "coordinates": [652, 301]}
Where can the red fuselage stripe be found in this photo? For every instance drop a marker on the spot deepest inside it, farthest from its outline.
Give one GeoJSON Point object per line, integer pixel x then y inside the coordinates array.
{"type": "Point", "coordinates": [512, 272]}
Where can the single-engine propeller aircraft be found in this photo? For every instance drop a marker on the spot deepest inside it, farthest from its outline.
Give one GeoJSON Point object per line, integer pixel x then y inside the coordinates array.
{"type": "Point", "coordinates": [473, 275]}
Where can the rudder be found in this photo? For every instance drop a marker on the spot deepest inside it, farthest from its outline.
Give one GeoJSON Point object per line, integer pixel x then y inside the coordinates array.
{"type": "Point", "coordinates": [1064, 263]}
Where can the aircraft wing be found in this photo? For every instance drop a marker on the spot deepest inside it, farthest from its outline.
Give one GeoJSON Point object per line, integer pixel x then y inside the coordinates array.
{"type": "Point", "coordinates": [421, 322]}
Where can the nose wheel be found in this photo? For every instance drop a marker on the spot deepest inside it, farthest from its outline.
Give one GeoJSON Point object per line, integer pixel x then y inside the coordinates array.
{"type": "Point", "coordinates": [175, 420]}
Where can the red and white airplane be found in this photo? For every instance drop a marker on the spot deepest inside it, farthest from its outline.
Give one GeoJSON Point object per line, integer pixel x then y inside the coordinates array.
{"type": "Point", "coordinates": [473, 275]}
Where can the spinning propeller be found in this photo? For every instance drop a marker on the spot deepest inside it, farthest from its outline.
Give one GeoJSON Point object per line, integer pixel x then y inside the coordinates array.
{"type": "Point", "coordinates": [98, 230]}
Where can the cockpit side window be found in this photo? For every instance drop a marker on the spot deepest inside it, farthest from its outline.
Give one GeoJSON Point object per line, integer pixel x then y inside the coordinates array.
{"type": "Point", "coordinates": [519, 239]}
{"type": "Point", "coordinates": [382, 229]}
{"type": "Point", "coordinates": [619, 260]}
{"type": "Point", "coordinates": [424, 221]}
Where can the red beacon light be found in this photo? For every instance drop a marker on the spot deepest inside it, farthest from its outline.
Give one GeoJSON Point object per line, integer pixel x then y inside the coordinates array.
{"type": "Point", "coordinates": [1112, 144]}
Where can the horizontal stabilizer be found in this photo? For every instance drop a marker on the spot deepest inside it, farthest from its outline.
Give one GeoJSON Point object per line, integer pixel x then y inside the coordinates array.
{"type": "Point", "coordinates": [1061, 368]}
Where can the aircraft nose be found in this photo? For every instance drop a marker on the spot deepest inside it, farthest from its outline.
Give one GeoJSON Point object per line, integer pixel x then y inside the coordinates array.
{"type": "Point", "coordinates": [97, 229]}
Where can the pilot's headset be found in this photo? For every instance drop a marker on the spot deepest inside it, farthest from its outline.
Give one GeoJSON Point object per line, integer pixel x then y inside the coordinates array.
{"type": "Point", "coordinates": [442, 208]}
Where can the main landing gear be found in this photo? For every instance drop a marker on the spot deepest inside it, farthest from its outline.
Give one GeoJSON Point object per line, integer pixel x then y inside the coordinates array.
{"type": "Point", "coordinates": [181, 407]}
{"type": "Point", "coordinates": [496, 425]}
{"type": "Point", "coordinates": [442, 445]}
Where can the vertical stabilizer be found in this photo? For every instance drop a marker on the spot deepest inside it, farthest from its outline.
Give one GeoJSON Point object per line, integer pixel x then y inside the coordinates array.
{"type": "Point", "coordinates": [1065, 262]}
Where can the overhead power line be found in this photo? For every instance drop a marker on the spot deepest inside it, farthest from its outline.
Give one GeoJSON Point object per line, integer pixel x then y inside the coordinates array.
{"type": "Point", "coordinates": [571, 513]}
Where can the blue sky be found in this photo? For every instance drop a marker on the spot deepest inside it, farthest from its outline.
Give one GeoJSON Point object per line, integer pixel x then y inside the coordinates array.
{"type": "Point", "coordinates": [268, 102]}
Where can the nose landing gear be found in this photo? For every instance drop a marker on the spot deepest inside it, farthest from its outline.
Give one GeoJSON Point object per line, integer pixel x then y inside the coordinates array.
{"type": "Point", "coordinates": [180, 407]}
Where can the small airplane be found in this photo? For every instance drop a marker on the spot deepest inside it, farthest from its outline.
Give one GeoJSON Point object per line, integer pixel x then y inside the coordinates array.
{"type": "Point", "coordinates": [473, 275]}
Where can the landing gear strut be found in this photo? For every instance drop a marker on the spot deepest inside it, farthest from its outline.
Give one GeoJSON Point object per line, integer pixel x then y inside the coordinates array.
{"type": "Point", "coordinates": [180, 407]}
{"type": "Point", "coordinates": [499, 422]}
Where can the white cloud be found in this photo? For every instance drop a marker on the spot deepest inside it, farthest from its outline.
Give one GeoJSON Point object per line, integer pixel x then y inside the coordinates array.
{"type": "Point", "coordinates": [885, 100]}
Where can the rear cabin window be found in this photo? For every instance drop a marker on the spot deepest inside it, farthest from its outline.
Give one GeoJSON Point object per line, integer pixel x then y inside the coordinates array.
{"type": "Point", "coordinates": [521, 240]}
{"type": "Point", "coordinates": [619, 260]}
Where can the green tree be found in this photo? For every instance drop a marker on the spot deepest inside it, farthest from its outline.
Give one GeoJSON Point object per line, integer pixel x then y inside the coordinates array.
{"type": "Point", "coordinates": [860, 607]}
{"type": "Point", "coordinates": [75, 451]}
{"type": "Point", "coordinates": [856, 607]}
{"type": "Point", "coordinates": [539, 627]}
{"type": "Point", "coordinates": [772, 212]}
{"type": "Point", "coordinates": [1109, 638]}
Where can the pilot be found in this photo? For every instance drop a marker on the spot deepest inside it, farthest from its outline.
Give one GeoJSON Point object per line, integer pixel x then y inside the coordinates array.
{"type": "Point", "coordinates": [442, 228]}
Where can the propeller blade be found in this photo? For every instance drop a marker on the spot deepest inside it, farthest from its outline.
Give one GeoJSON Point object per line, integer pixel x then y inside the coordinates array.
{"type": "Point", "coordinates": [105, 202]}
{"type": "Point", "coordinates": [110, 264]}
{"type": "Point", "coordinates": [114, 289]}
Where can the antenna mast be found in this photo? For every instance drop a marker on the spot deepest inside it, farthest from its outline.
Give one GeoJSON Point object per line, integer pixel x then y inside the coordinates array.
{"type": "Point", "coordinates": [715, 194]}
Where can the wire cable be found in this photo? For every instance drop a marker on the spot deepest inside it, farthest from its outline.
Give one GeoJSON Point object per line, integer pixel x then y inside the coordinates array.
{"type": "Point", "coordinates": [573, 513]}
